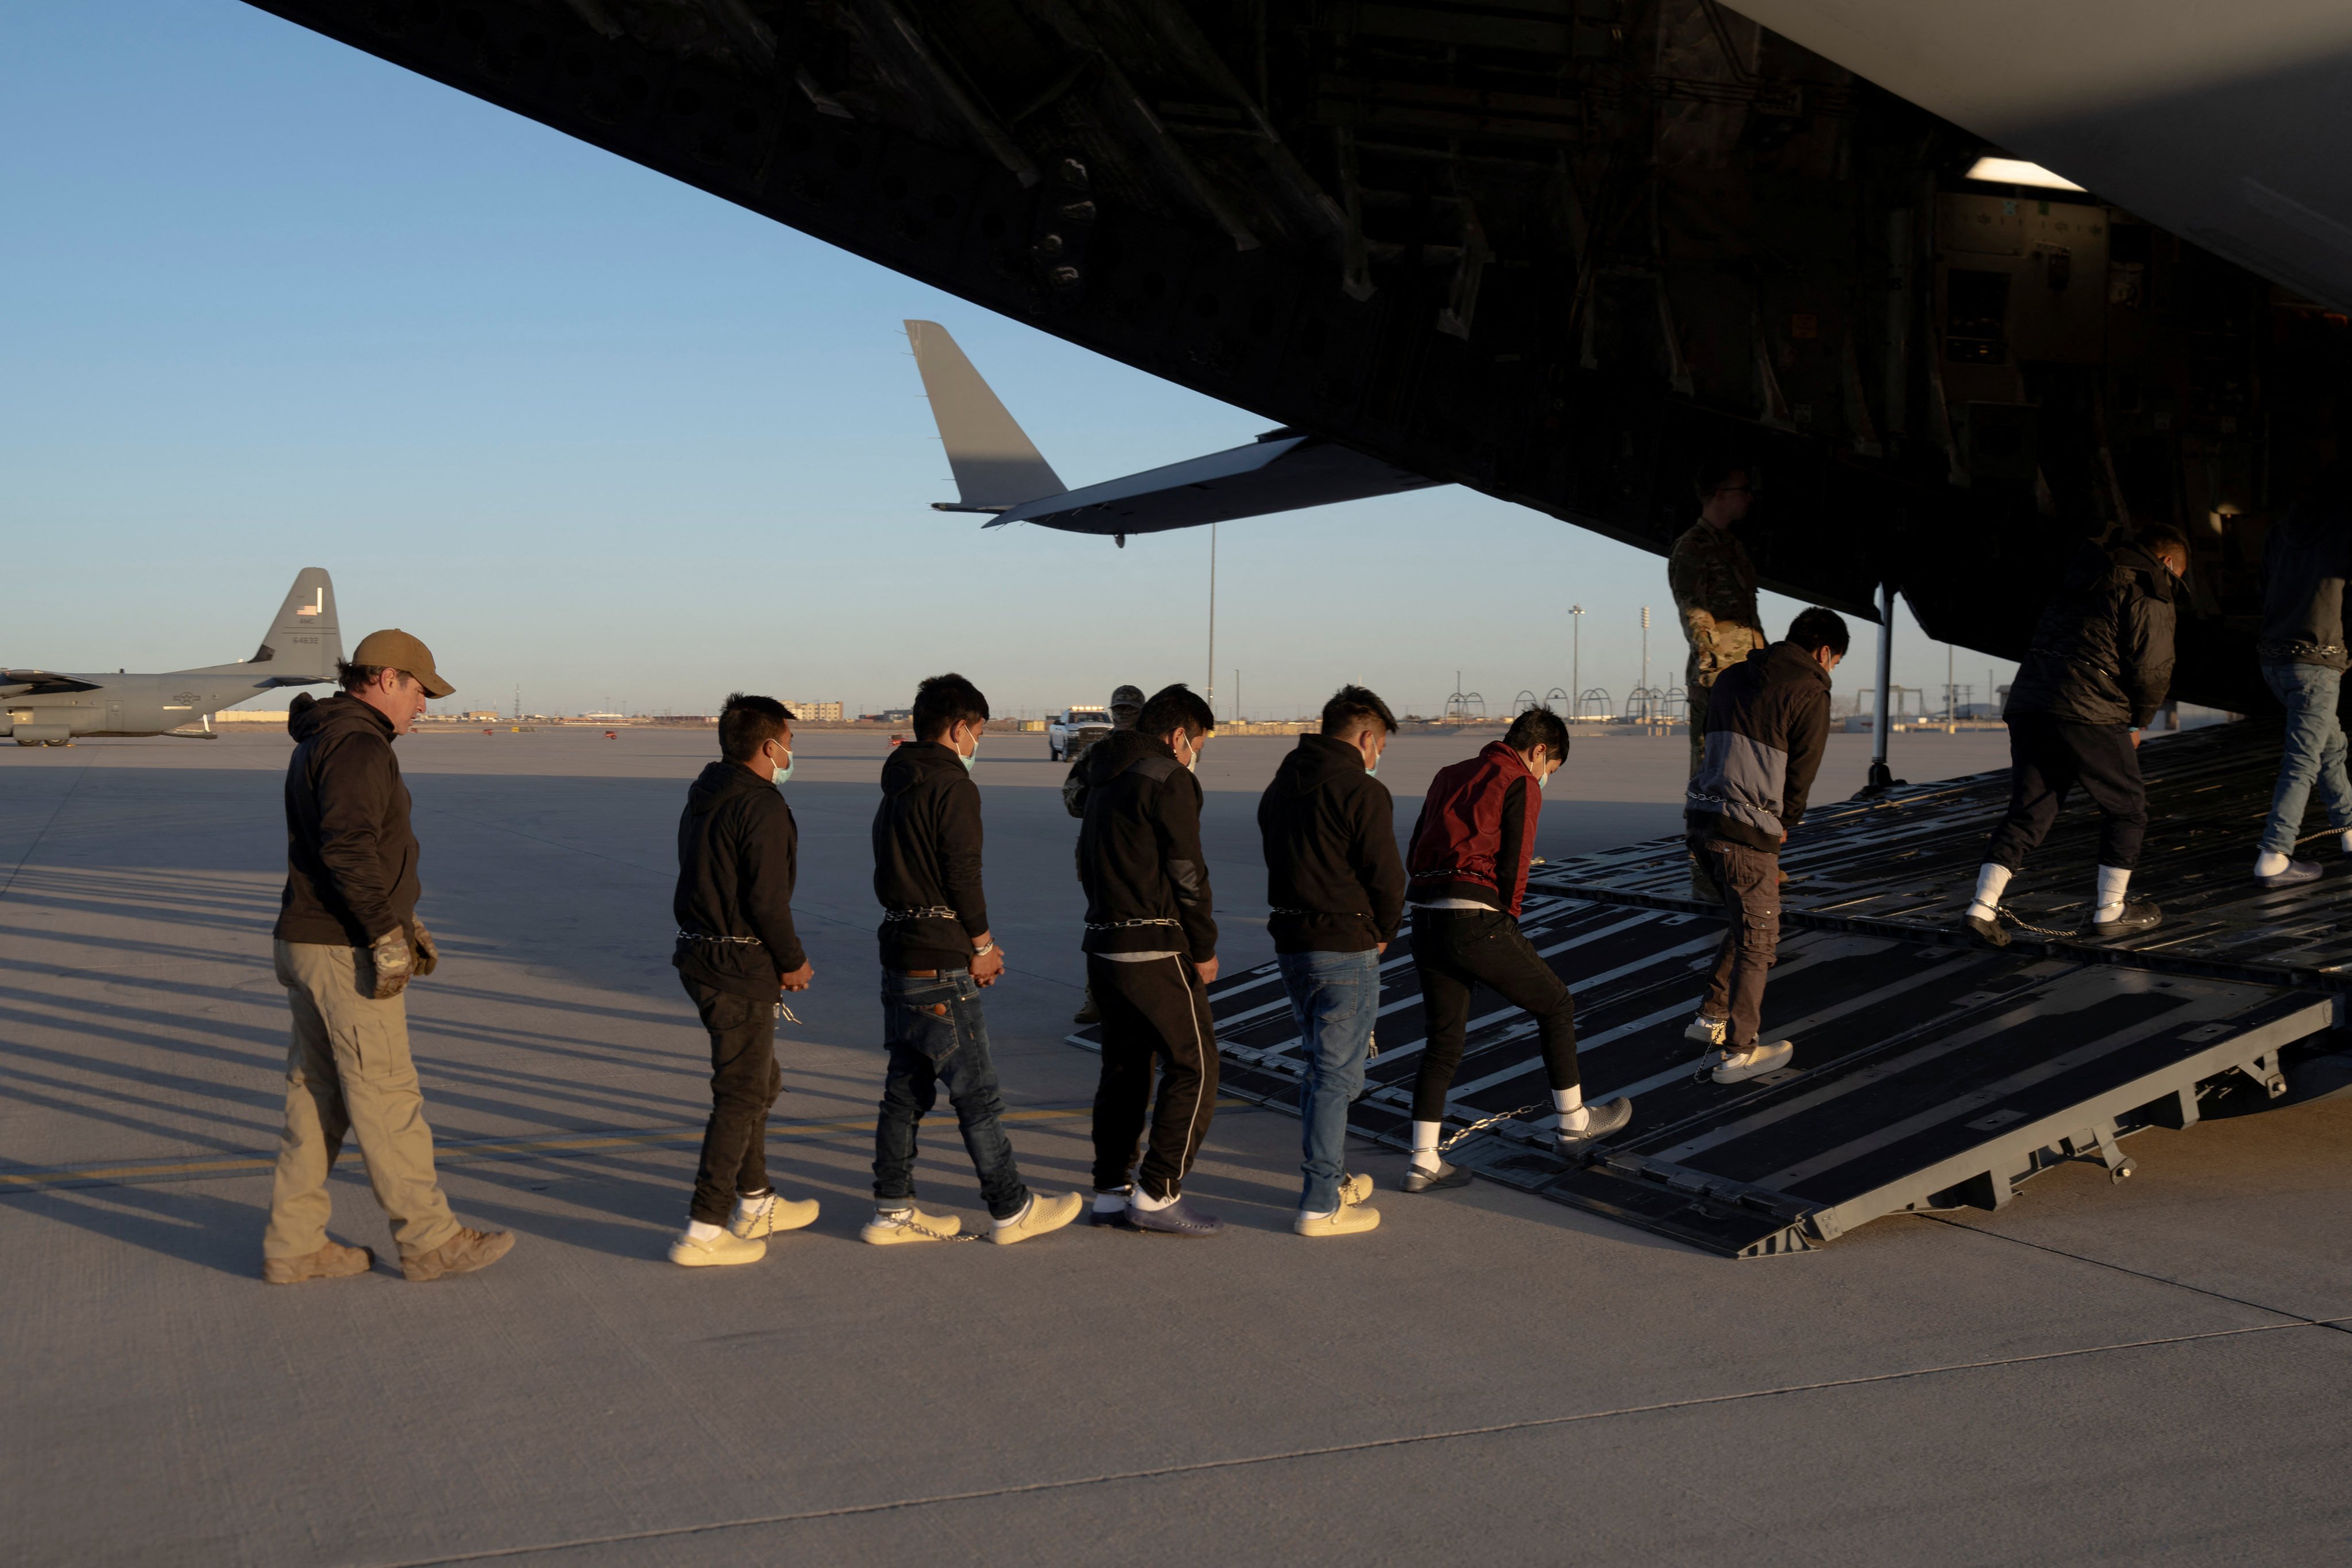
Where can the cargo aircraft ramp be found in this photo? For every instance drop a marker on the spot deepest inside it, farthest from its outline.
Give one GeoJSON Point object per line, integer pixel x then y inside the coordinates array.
{"type": "Point", "coordinates": [1930, 1073]}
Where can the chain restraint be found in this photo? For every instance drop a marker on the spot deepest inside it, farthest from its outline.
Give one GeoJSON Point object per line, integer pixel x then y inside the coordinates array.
{"type": "Point", "coordinates": [936, 913]}
{"type": "Point", "coordinates": [2023, 924]}
{"type": "Point", "coordinates": [1485, 1121]}
{"type": "Point", "coordinates": [1126, 925]}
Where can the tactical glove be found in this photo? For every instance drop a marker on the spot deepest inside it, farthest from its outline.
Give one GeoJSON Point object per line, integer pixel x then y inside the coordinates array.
{"type": "Point", "coordinates": [394, 963]}
{"type": "Point", "coordinates": [428, 951]}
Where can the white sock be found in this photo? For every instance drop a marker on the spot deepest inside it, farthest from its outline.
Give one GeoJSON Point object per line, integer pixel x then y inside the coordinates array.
{"type": "Point", "coordinates": [892, 1208]}
{"type": "Point", "coordinates": [1570, 1103]}
{"type": "Point", "coordinates": [1991, 883]}
{"type": "Point", "coordinates": [1111, 1201]}
{"type": "Point", "coordinates": [2113, 880]}
{"type": "Point", "coordinates": [1149, 1203]}
{"type": "Point", "coordinates": [696, 1230]}
{"type": "Point", "coordinates": [1424, 1145]}
{"type": "Point", "coordinates": [2343, 840]}
{"type": "Point", "coordinates": [1316, 1213]}
{"type": "Point", "coordinates": [2269, 862]}
{"type": "Point", "coordinates": [1008, 1221]}
{"type": "Point", "coordinates": [750, 1204]}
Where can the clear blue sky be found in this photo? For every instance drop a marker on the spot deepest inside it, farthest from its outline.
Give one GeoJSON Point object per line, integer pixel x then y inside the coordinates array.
{"type": "Point", "coordinates": [270, 302]}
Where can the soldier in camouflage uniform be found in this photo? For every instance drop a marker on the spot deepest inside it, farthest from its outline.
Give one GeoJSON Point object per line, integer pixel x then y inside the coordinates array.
{"type": "Point", "coordinates": [1714, 586]}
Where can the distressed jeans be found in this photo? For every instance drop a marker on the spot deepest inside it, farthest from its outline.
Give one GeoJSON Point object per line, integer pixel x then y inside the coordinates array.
{"type": "Point", "coordinates": [1334, 998]}
{"type": "Point", "coordinates": [2315, 752]}
{"type": "Point", "coordinates": [938, 1039]}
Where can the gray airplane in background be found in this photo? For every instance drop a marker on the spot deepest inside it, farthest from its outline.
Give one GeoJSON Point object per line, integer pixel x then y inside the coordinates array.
{"type": "Point", "coordinates": [49, 707]}
{"type": "Point", "coordinates": [998, 469]}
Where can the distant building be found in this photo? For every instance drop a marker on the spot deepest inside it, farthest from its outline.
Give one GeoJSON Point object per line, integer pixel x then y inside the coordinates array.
{"type": "Point", "coordinates": [605, 718]}
{"type": "Point", "coordinates": [889, 715]}
{"type": "Point", "coordinates": [814, 712]}
{"type": "Point", "coordinates": [481, 716]}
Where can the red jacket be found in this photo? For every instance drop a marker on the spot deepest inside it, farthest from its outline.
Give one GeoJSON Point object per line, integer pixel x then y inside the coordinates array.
{"type": "Point", "coordinates": [1477, 831]}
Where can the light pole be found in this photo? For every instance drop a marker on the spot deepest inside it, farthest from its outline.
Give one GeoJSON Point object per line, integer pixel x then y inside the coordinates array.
{"type": "Point", "coordinates": [1645, 657]}
{"type": "Point", "coordinates": [1576, 658]}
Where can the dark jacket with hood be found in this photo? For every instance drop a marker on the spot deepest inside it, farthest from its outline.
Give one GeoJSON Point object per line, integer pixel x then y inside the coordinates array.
{"type": "Point", "coordinates": [1332, 875]}
{"type": "Point", "coordinates": [351, 858]}
{"type": "Point", "coordinates": [927, 858]}
{"type": "Point", "coordinates": [1768, 724]}
{"type": "Point", "coordinates": [1476, 832]}
{"type": "Point", "coordinates": [2305, 562]}
{"type": "Point", "coordinates": [2102, 652]}
{"type": "Point", "coordinates": [1139, 851]}
{"type": "Point", "coordinates": [737, 855]}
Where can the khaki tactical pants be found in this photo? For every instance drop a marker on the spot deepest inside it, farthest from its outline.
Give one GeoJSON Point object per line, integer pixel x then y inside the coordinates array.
{"type": "Point", "coordinates": [348, 1070]}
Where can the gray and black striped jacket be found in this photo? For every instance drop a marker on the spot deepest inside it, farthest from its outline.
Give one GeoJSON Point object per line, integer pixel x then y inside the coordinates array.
{"type": "Point", "coordinates": [1767, 722]}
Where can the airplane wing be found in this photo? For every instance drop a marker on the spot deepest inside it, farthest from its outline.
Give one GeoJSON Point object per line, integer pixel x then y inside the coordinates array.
{"type": "Point", "coordinates": [1283, 470]}
{"type": "Point", "coordinates": [39, 682]}
{"type": "Point", "coordinates": [2221, 122]}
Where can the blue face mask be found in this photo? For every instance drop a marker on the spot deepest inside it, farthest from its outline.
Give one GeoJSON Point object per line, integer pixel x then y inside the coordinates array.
{"type": "Point", "coordinates": [784, 774]}
{"type": "Point", "coordinates": [1373, 772]}
{"type": "Point", "coordinates": [969, 760]}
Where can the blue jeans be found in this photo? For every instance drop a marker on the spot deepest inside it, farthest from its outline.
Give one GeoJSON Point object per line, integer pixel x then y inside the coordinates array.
{"type": "Point", "coordinates": [1335, 998]}
{"type": "Point", "coordinates": [2315, 752]}
{"type": "Point", "coordinates": [938, 1039]}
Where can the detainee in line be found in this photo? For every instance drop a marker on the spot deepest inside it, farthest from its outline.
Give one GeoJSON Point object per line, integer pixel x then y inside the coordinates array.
{"type": "Point", "coordinates": [1151, 953]}
{"type": "Point", "coordinates": [737, 852]}
{"type": "Point", "coordinates": [937, 957]}
{"type": "Point", "coordinates": [1468, 880]}
{"type": "Point", "coordinates": [1767, 726]}
{"type": "Point", "coordinates": [1335, 888]}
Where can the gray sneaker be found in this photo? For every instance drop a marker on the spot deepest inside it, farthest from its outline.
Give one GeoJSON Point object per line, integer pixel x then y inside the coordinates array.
{"type": "Point", "coordinates": [1417, 1180]}
{"type": "Point", "coordinates": [2139, 915]}
{"type": "Point", "coordinates": [2298, 872]}
{"type": "Point", "coordinates": [1600, 1122]}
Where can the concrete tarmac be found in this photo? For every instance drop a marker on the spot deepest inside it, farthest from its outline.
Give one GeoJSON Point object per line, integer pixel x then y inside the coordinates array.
{"type": "Point", "coordinates": [2152, 1372]}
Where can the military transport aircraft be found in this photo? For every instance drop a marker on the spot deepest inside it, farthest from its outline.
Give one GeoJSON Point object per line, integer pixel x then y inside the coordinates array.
{"type": "Point", "coordinates": [46, 708]}
{"type": "Point", "coordinates": [998, 469]}
{"type": "Point", "coordinates": [1963, 285]}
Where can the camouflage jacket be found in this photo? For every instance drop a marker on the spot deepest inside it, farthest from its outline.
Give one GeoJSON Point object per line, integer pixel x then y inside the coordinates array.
{"type": "Point", "coordinates": [1714, 584]}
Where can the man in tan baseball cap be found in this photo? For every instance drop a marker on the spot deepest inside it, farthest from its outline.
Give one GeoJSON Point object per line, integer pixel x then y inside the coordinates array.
{"type": "Point", "coordinates": [347, 943]}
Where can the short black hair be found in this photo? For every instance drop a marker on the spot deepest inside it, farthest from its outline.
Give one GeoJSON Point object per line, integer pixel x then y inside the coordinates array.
{"type": "Point", "coordinates": [1352, 708]}
{"type": "Point", "coordinates": [1537, 726]}
{"type": "Point", "coordinates": [1816, 628]}
{"type": "Point", "coordinates": [2159, 536]}
{"type": "Point", "coordinates": [356, 677]}
{"type": "Point", "coordinates": [748, 723]}
{"type": "Point", "coordinates": [1173, 705]}
{"type": "Point", "coordinates": [944, 701]}
{"type": "Point", "coordinates": [1713, 474]}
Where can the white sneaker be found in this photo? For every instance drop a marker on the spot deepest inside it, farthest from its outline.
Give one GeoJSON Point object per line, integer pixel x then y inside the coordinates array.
{"type": "Point", "coordinates": [1707, 1031]}
{"type": "Point", "coordinates": [889, 1227]}
{"type": "Point", "coordinates": [768, 1214]}
{"type": "Point", "coordinates": [1736, 1066]}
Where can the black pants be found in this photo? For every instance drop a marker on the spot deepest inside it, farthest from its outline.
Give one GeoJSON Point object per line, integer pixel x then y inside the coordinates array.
{"type": "Point", "coordinates": [1749, 880]}
{"type": "Point", "coordinates": [744, 1082]}
{"type": "Point", "coordinates": [2047, 758]}
{"type": "Point", "coordinates": [1456, 950]}
{"type": "Point", "coordinates": [1154, 1014]}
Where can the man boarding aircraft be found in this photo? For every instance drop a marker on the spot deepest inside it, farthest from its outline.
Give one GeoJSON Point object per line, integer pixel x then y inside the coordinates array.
{"type": "Point", "coordinates": [998, 469]}
{"type": "Point", "coordinates": [46, 709]}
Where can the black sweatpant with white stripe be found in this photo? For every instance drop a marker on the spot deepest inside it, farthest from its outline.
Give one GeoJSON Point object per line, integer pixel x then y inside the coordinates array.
{"type": "Point", "coordinates": [1154, 1015]}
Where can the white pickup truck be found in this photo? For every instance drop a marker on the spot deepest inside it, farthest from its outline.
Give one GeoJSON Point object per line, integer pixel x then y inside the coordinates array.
{"type": "Point", "coordinates": [1075, 730]}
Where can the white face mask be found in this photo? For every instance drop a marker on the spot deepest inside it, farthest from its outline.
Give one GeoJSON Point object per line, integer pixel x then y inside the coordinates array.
{"type": "Point", "coordinates": [784, 772]}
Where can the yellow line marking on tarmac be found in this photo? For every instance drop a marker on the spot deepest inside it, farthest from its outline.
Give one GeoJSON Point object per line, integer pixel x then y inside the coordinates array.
{"type": "Point", "coordinates": [490, 1149]}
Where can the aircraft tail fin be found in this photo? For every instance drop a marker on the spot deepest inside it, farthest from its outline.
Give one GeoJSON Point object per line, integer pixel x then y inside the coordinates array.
{"type": "Point", "coordinates": [996, 465]}
{"type": "Point", "coordinates": [304, 640]}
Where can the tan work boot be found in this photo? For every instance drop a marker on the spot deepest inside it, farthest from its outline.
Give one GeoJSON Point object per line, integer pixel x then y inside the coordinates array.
{"type": "Point", "coordinates": [461, 1254]}
{"type": "Point", "coordinates": [1042, 1214]}
{"type": "Point", "coordinates": [332, 1261]}
{"type": "Point", "coordinates": [768, 1214]}
{"type": "Point", "coordinates": [720, 1250]}
{"type": "Point", "coordinates": [889, 1227]}
{"type": "Point", "coordinates": [1348, 1219]}
{"type": "Point", "coordinates": [1354, 1190]}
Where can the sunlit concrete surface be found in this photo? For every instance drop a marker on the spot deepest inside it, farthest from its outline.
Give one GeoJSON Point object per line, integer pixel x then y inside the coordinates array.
{"type": "Point", "coordinates": [2104, 1374]}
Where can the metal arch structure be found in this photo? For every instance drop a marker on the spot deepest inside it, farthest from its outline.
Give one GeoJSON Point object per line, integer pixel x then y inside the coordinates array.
{"type": "Point", "coordinates": [1558, 255]}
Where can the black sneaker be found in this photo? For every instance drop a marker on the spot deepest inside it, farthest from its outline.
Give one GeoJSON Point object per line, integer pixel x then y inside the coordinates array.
{"type": "Point", "coordinates": [1179, 1219]}
{"type": "Point", "coordinates": [1987, 932]}
{"type": "Point", "coordinates": [1600, 1122]}
{"type": "Point", "coordinates": [2139, 915]}
{"type": "Point", "coordinates": [1417, 1180]}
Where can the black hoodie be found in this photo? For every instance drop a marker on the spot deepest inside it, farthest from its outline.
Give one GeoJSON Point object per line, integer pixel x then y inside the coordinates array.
{"type": "Point", "coordinates": [2102, 652]}
{"type": "Point", "coordinates": [2305, 562]}
{"type": "Point", "coordinates": [1333, 876]}
{"type": "Point", "coordinates": [1768, 726]}
{"type": "Point", "coordinates": [927, 857]}
{"type": "Point", "coordinates": [738, 853]}
{"type": "Point", "coordinates": [1139, 851]}
{"type": "Point", "coordinates": [351, 858]}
